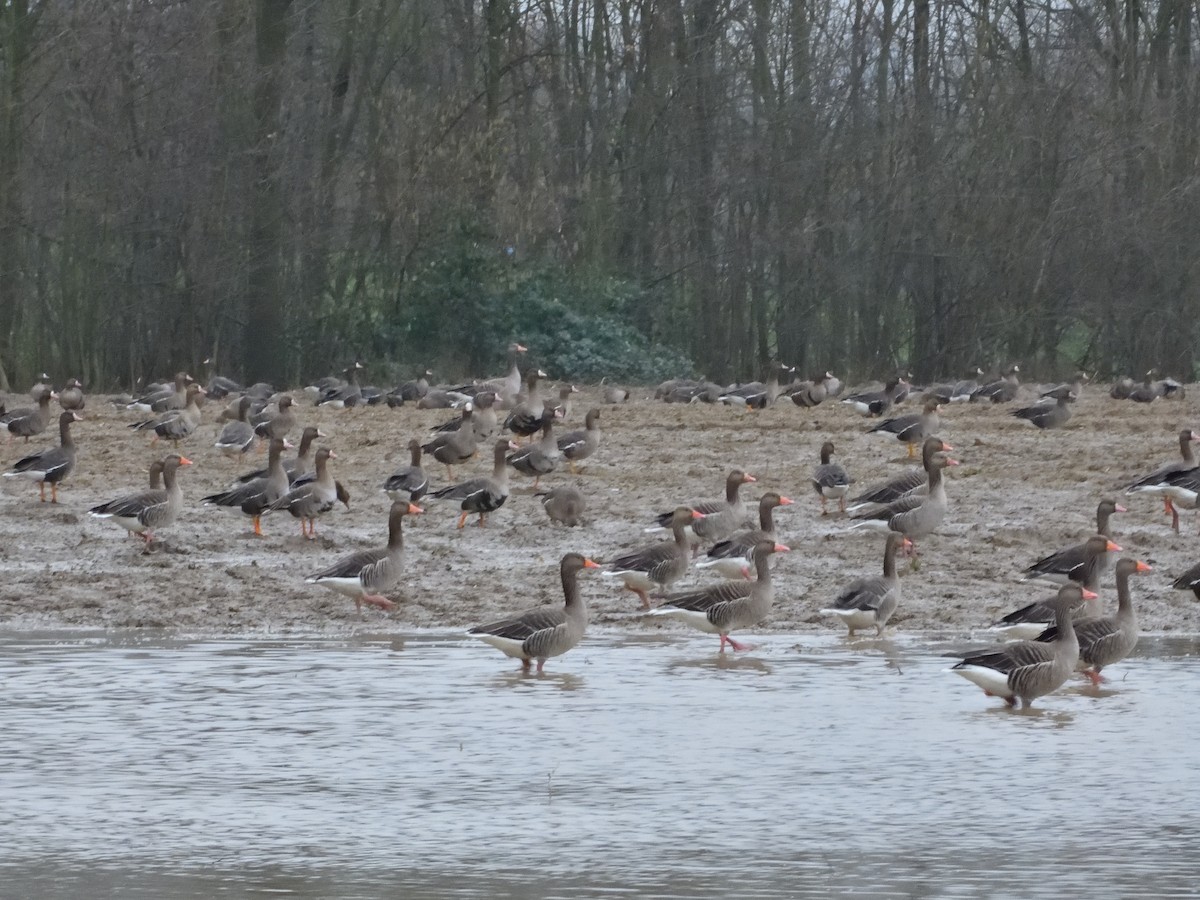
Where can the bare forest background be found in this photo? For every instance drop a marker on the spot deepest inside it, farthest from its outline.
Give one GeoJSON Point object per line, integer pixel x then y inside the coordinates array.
{"type": "Point", "coordinates": [636, 188]}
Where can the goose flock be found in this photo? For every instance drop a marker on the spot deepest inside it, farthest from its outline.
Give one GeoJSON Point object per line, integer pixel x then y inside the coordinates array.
{"type": "Point", "coordinates": [705, 561]}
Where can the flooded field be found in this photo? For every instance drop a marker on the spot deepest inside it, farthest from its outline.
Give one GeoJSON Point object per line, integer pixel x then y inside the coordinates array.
{"type": "Point", "coordinates": [136, 764]}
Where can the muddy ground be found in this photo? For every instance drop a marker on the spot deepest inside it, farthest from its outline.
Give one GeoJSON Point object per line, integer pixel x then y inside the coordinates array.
{"type": "Point", "coordinates": [1018, 494]}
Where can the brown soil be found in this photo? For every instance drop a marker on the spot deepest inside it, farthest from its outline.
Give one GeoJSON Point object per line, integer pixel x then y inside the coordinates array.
{"type": "Point", "coordinates": [1018, 494]}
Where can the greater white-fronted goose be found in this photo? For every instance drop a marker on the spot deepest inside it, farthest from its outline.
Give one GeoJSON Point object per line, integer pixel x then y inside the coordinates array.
{"type": "Point", "coordinates": [1147, 391]}
{"type": "Point", "coordinates": [810, 393]}
{"type": "Point", "coordinates": [1075, 386]}
{"type": "Point", "coordinates": [1028, 622]}
{"type": "Point", "coordinates": [1106, 640]}
{"type": "Point", "coordinates": [1076, 563]}
{"type": "Point", "coordinates": [956, 391]}
{"type": "Point", "coordinates": [913, 428]}
{"type": "Point", "coordinates": [1025, 670]}
{"type": "Point", "coordinates": [255, 497]}
{"type": "Point", "coordinates": [139, 513]}
{"type": "Point", "coordinates": [299, 468]}
{"type": "Point", "coordinates": [440, 398]}
{"type": "Point", "coordinates": [757, 394]}
{"type": "Point", "coordinates": [526, 418]}
{"type": "Point", "coordinates": [1121, 388]}
{"type": "Point", "coordinates": [657, 564]}
{"type": "Point", "coordinates": [732, 557]}
{"type": "Point", "coordinates": [366, 574]}
{"type": "Point", "coordinates": [311, 499]}
{"type": "Point", "coordinates": [238, 436]}
{"type": "Point", "coordinates": [281, 423]}
{"type": "Point", "coordinates": [870, 602]}
{"type": "Point", "coordinates": [71, 396]}
{"type": "Point", "coordinates": [564, 401]}
{"type": "Point", "coordinates": [564, 505]}
{"type": "Point", "coordinates": [614, 395]}
{"type": "Point", "coordinates": [1158, 481]}
{"type": "Point", "coordinates": [455, 447]}
{"type": "Point", "coordinates": [165, 399]}
{"type": "Point", "coordinates": [878, 495]}
{"type": "Point", "coordinates": [830, 480]}
{"type": "Point", "coordinates": [52, 465]}
{"type": "Point", "coordinates": [545, 631]}
{"type": "Point", "coordinates": [1002, 390]}
{"type": "Point", "coordinates": [483, 418]}
{"type": "Point", "coordinates": [481, 495]}
{"type": "Point", "coordinates": [876, 403]}
{"type": "Point", "coordinates": [410, 391]}
{"type": "Point", "coordinates": [729, 606]}
{"type": "Point", "coordinates": [1183, 490]}
{"type": "Point", "coordinates": [915, 516]}
{"type": "Point", "coordinates": [1189, 581]}
{"type": "Point", "coordinates": [408, 482]}
{"type": "Point", "coordinates": [721, 518]}
{"type": "Point", "coordinates": [28, 422]}
{"type": "Point", "coordinates": [541, 458]}
{"type": "Point", "coordinates": [345, 395]}
{"type": "Point", "coordinates": [508, 386]}
{"type": "Point", "coordinates": [1046, 415]}
{"type": "Point", "coordinates": [219, 387]}
{"type": "Point", "coordinates": [175, 425]}
{"type": "Point", "coordinates": [577, 446]}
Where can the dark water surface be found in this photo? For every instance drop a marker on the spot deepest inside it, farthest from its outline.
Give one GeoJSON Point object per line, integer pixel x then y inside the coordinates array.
{"type": "Point", "coordinates": [134, 765]}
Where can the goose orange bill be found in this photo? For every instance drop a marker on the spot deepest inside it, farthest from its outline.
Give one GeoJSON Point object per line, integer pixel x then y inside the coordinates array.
{"type": "Point", "coordinates": [589, 564]}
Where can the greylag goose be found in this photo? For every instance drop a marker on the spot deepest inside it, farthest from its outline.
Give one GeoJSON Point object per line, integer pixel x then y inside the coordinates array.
{"type": "Point", "coordinates": [409, 481]}
{"type": "Point", "coordinates": [1048, 415]}
{"type": "Point", "coordinates": [915, 516]}
{"type": "Point", "coordinates": [733, 556]}
{"type": "Point", "coordinates": [544, 631]}
{"type": "Point", "coordinates": [1028, 622]}
{"type": "Point", "coordinates": [1025, 670]}
{"type": "Point", "coordinates": [175, 425]}
{"type": "Point", "coordinates": [657, 564]}
{"type": "Point", "coordinates": [811, 393]}
{"type": "Point", "coordinates": [299, 468]}
{"type": "Point", "coordinates": [71, 396]}
{"type": "Point", "coordinates": [1183, 490]}
{"type": "Point", "coordinates": [830, 480]}
{"type": "Point", "coordinates": [564, 505]}
{"type": "Point", "coordinates": [1157, 482]}
{"type": "Point", "coordinates": [526, 418]}
{"type": "Point", "coordinates": [237, 436]}
{"type": "Point", "coordinates": [219, 387]}
{"type": "Point", "coordinates": [1074, 563]}
{"type": "Point", "coordinates": [576, 446]}
{"type": "Point", "coordinates": [726, 607]}
{"type": "Point", "coordinates": [870, 602]}
{"type": "Point", "coordinates": [345, 395]}
{"type": "Point", "coordinates": [139, 513]}
{"type": "Point", "coordinates": [481, 495]}
{"type": "Point", "coordinates": [1147, 391]}
{"type": "Point", "coordinates": [1106, 640]}
{"type": "Point", "coordinates": [281, 423]}
{"type": "Point", "coordinates": [27, 423]}
{"type": "Point", "coordinates": [1002, 390]}
{"type": "Point", "coordinates": [541, 458]}
{"type": "Point", "coordinates": [52, 465]}
{"type": "Point", "coordinates": [366, 574]}
{"type": "Point", "coordinates": [255, 497]}
{"type": "Point", "coordinates": [913, 428]}
{"type": "Point", "coordinates": [876, 403]}
{"type": "Point", "coordinates": [455, 447]}
{"type": "Point", "coordinates": [1189, 581]}
{"type": "Point", "coordinates": [310, 499]}
{"type": "Point", "coordinates": [757, 394]}
{"type": "Point", "coordinates": [915, 482]}
{"type": "Point", "coordinates": [720, 517]}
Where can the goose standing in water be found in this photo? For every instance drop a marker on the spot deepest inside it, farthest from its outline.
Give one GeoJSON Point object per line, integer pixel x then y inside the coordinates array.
{"type": "Point", "coordinates": [870, 602]}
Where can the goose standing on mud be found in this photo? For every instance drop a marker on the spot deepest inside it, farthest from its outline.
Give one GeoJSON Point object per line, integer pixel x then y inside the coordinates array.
{"type": "Point", "coordinates": [830, 480]}
{"type": "Point", "coordinates": [870, 602]}
{"type": "Point", "coordinates": [913, 428]}
{"type": "Point", "coordinates": [52, 465]}
{"type": "Point", "coordinates": [657, 565]}
{"type": "Point", "coordinates": [1158, 482]}
{"type": "Point", "coordinates": [139, 513]}
{"type": "Point", "coordinates": [733, 557]}
{"type": "Point", "coordinates": [485, 494]}
{"type": "Point", "coordinates": [1074, 563]}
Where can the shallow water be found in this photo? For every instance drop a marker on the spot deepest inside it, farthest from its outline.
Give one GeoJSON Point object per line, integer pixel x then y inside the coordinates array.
{"type": "Point", "coordinates": [132, 765]}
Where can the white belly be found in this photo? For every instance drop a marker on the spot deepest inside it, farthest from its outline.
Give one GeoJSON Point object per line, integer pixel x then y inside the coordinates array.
{"type": "Point", "coordinates": [697, 620]}
{"type": "Point", "coordinates": [636, 580]}
{"type": "Point", "coordinates": [734, 568]}
{"type": "Point", "coordinates": [350, 587]}
{"type": "Point", "coordinates": [854, 618]}
{"type": "Point", "coordinates": [507, 646]}
{"type": "Point", "coordinates": [990, 680]}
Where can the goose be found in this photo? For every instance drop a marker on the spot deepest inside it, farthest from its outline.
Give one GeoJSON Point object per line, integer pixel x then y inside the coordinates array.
{"type": "Point", "coordinates": [28, 422]}
{"type": "Point", "coordinates": [720, 517]}
{"type": "Point", "coordinates": [545, 631]}
{"type": "Point", "coordinates": [1121, 388]}
{"type": "Point", "coordinates": [1025, 670]}
{"type": "Point", "coordinates": [299, 467]}
{"type": "Point", "coordinates": [564, 400]}
{"type": "Point", "coordinates": [914, 482]}
{"type": "Point", "coordinates": [876, 403]}
{"type": "Point", "coordinates": [310, 499]}
{"type": "Point", "coordinates": [1189, 581]}
{"type": "Point", "coordinates": [345, 395]}
{"type": "Point", "coordinates": [1075, 386]}
{"type": "Point", "coordinates": [175, 425]}
{"type": "Point", "coordinates": [1002, 390]}
{"type": "Point", "coordinates": [811, 393]}
{"type": "Point", "coordinates": [1028, 622]}
{"type": "Point", "coordinates": [1106, 640]}
{"type": "Point", "coordinates": [1049, 415]}
{"type": "Point", "coordinates": [656, 564]}
{"type": "Point", "coordinates": [913, 428]}
{"type": "Point", "coordinates": [485, 494]}
{"type": "Point", "coordinates": [733, 556]}
{"type": "Point", "coordinates": [408, 481]}
{"type": "Point", "coordinates": [830, 480]}
{"type": "Point", "coordinates": [1157, 482]}
{"type": "Point", "coordinates": [139, 513]}
{"type": "Point", "coordinates": [71, 396]}
{"type": "Point", "coordinates": [526, 418]}
{"type": "Point", "coordinates": [219, 387]}
{"type": "Point", "coordinates": [564, 505]}
{"type": "Point", "coordinates": [455, 447]}
{"type": "Point", "coordinates": [541, 458]}
{"type": "Point", "coordinates": [410, 391]}
{"type": "Point", "coordinates": [614, 395]}
{"type": "Point", "coordinates": [507, 387]}
{"type": "Point", "coordinates": [52, 465]}
{"type": "Point", "coordinates": [870, 602]}
{"type": "Point", "coordinates": [237, 436]}
{"type": "Point", "coordinates": [1147, 391]}
{"type": "Point", "coordinates": [577, 446]}
{"type": "Point", "coordinates": [915, 516]}
{"type": "Point", "coordinates": [164, 399]}
{"type": "Point", "coordinates": [757, 394]}
{"type": "Point", "coordinates": [1071, 563]}
{"type": "Point", "coordinates": [957, 391]}
{"type": "Point", "coordinates": [483, 418]}
{"type": "Point", "coordinates": [1183, 490]}
{"type": "Point", "coordinates": [255, 497]}
{"type": "Point", "coordinates": [728, 606]}
{"type": "Point", "coordinates": [366, 574]}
